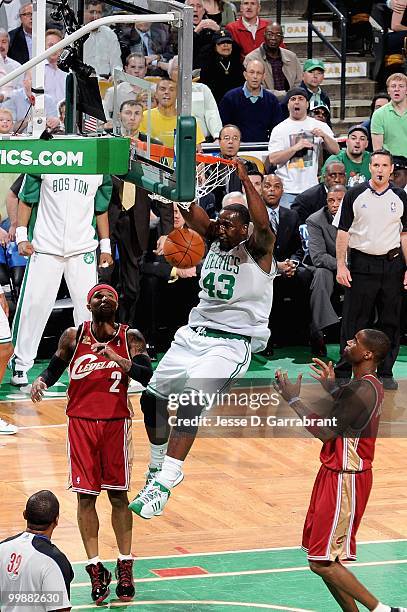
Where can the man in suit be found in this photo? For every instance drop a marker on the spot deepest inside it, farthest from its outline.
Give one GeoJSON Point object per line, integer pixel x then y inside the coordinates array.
{"type": "Point", "coordinates": [314, 198]}
{"type": "Point", "coordinates": [229, 145]}
{"type": "Point", "coordinates": [294, 279]}
{"type": "Point", "coordinates": [322, 253]}
{"type": "Point", "coordinates": [20, 48]}
{"type": "Point", "coordinates": [129, 223]}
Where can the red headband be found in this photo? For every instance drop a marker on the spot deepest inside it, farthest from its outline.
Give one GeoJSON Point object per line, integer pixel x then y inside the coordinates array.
{"type": "Point", "coordinates": [98, 288]}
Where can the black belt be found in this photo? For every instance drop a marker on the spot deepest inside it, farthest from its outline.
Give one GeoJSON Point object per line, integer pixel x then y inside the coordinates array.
{"type": "Point", "coordinates": [389, 256]}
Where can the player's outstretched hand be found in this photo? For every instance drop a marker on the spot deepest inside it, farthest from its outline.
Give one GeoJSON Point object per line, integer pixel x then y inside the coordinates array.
{"type": "Point", "coordinates": [285, 387]}
{"type": "Point", "coordinates": [105, 260]}
{"type": "Point", "coordinates": [37, 389]}
{"type": "Point", "coordinates": [25, 248]}
{"type": "Point", "coordinates": [324, 373]}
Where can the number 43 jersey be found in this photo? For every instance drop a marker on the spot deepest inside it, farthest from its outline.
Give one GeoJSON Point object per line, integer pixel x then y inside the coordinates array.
{"type": "Point", "coordinates": [98, 387]}
{"type": "Point", "coordinates": [236, 295]}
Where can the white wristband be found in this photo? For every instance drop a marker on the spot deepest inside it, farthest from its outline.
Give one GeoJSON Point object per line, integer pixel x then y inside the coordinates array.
{"type": "Point", "coordinates": [293, 400]}
{"type": "Point", "coordinates": [1, 290]}
{"type": "Point", "coordinates": [105, 245]}
{"type": "Point", "coordinates": [21, 234]}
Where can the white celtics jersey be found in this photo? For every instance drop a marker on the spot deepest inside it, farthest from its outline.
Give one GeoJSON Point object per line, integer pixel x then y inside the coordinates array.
{"type": "Point", "coordinates": [63, 211]}
{"type": "Point", "coordinates": [236, 295]}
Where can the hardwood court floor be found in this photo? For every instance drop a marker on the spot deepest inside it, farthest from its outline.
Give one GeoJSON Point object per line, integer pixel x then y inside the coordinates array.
{"type": "Point", "coordinates": [237, 494]}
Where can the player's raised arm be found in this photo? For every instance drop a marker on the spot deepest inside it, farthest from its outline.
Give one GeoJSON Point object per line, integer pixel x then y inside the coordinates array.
{"type": "Point", "coordinates": [198, 220]}
{"type": "Point", "coordinates": [56, 367]}
{"type": "Point", "coordinates": [261, 242]}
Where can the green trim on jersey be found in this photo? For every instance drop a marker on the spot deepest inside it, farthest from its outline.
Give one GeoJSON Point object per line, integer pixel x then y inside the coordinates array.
{"type": "Point", "coordinates": [104, 194]}
{"type": "Point", "coordinates": [30, 189]}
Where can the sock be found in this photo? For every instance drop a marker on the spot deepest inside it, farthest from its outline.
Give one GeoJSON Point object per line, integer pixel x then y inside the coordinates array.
{"type": "Point", "coordinates": [381, 608]}
{"type": "Point", "coordinates": [170, 471]}
{"type": "Point", "coordinates": [157, 454]}
{"type": "Point", "coordinates": [94, 561]}
{"type": "Point", "coordinates": [125, 557]}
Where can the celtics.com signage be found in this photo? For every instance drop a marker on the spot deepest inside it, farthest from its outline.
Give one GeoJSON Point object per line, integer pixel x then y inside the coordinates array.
{"type": "Point", "coordinates": [104, 155]}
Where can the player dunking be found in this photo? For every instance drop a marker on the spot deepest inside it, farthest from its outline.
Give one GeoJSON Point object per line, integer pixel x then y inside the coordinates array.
{"type": "Point", "coordinates": [344, 481]}
{"type": "Point", "coordinates": [102, 355]}
{"type": "Point", "coordinates": [230, 321]}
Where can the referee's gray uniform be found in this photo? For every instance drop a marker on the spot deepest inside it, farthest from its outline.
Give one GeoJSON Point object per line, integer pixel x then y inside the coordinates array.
{"type": "Point", "coordinates": [374, 222]}
{"type": "Point", "coordinates": [34, 572]}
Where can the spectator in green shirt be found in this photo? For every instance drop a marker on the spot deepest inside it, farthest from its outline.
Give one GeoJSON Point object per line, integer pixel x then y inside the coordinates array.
{"type": "Point", "coordinates": [389, 123]}
{"type": "Point", "coordinates": [354, 157]}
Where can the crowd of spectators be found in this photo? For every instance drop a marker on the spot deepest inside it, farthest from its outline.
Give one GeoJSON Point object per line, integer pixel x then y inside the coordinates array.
{"type": "Point", "coordinates": [249, 86]}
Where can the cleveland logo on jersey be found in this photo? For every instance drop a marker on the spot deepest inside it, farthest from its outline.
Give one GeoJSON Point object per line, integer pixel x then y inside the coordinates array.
{"type": "Point", "coordinates": [86, 364]}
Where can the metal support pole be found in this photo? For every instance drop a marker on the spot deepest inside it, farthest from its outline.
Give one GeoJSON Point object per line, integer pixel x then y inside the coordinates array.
{"type": "Point", "coordinates": [343, 67]}
{"type": "Point", "coordinates": [310, 15]}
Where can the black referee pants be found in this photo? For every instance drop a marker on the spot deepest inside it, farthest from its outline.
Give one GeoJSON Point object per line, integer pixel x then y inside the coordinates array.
{"type": "Point", "coordinates": [377, 286]}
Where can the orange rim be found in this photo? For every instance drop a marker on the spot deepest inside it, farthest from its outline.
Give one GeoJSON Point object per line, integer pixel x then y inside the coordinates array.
{"type": "Point", "coordinates": [158, 151]}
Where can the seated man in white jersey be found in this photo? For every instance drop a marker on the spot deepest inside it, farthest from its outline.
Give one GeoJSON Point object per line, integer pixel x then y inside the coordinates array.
{"type": "Point", "coordinates": [101, 355]}
{"type": "Point", "coordinates": [30, 564]}
{"type": "Point", "coordinates": [229, 323]}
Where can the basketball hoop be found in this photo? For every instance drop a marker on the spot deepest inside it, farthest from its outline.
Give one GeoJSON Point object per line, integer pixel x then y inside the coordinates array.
{"type": "Point", "coordinates": [211, 172]}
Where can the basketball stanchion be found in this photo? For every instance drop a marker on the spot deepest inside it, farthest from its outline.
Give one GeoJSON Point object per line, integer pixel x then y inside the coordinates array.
{"type": "Point", "coordinates": [211, 171]}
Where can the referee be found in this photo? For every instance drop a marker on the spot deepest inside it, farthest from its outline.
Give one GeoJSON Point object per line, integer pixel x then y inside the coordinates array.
{"type": "Point", "coordinates": [373, 224]}
{"type": "Point", "coordinates": [34, 574]}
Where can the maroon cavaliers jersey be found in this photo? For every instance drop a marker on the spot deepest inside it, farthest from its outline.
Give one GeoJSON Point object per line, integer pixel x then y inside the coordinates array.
{"type": "Point", "coordinates": [354, 450]}
{"type": "Point", "coordinates": [98, 387]}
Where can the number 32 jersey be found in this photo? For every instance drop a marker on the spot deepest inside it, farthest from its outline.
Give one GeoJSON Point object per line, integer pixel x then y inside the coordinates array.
{"type": "Point", "coordinates": [98, 387]}
{"type": "Point", "coordinates": [236, 295]}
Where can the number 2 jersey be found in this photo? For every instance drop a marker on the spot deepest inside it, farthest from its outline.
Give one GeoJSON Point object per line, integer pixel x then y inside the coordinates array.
{"type": "Point", "coordinates": [236, 295]}
{"type": "Point", "coordinates": [98, 387]}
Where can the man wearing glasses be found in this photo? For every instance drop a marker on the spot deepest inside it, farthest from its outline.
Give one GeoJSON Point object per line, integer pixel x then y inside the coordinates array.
{"type": "Point", "coordinates": [20, 48]}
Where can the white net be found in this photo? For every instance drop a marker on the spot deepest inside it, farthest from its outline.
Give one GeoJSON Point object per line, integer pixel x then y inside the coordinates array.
{"type": "Point", "coordinates": [211, 172]}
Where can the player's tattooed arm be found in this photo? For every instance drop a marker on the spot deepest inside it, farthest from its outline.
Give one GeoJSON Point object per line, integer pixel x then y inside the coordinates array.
{"type": "Point", "coordinates": [139, 366]}
{"type": "Point", "coordinates": [58, 364]}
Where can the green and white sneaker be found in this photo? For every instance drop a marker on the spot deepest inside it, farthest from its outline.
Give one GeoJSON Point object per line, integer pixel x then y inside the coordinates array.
{"type": "Point", "coordinates": [151, 502]}
{"type": "Point", "coordinates": [7, 429]}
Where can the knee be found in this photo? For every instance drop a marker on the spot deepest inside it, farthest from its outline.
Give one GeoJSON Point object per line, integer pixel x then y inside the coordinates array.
{"type": "Point", "coordinates": [118, 499]}
{"type": "Point", "coordinates": [86, 502]}
{"type": "Point", "coordinates": [6, 351]}
{"type": "Point", "coordinates": [322, 568]}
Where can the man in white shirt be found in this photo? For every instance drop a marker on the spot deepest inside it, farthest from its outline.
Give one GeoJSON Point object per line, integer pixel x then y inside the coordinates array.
{"type": "Point", "coordinates": [30, 564]}
{"type": "Point", "coordinates": [7, 65]}
{"type": "Point", "coordinates": [294, 146]}
{"type": "Point", "coordinates": [54, 77]}
{"type": "Point", "coordinates": [20, 103]}
{"type": "Point", "coordinates": [136, 65]}
{"type": "Point", "coordinates": [204, 107]}
{"type": "Point", "coordinates": [102, 49]}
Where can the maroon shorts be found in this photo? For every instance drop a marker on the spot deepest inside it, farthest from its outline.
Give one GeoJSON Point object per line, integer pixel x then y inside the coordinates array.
{"type": "Point", "coordinates": [99, 455]}
{"type": "Point", "coordinates": [337, 504]}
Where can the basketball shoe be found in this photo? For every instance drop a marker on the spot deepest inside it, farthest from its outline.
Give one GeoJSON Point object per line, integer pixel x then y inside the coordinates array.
{"type": "Point", "coordinates": [7, 429]}
{"type": "Point", "coordinates": [151, 476]}
{"type": "Point", "coordinates": [125, 590]}
{"type": "Point", "coordinates": [100, 578]}
{"type": "Point", "coordinates": [151, 502]}
{"type": "Point", "coordinates": [19, 379]}
{"type": "Point", "coordinates": [398, 609]}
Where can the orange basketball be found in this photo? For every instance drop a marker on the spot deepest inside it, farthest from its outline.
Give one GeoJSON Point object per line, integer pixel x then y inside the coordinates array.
{"type": "Point", "coordinates": [184, 248]}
